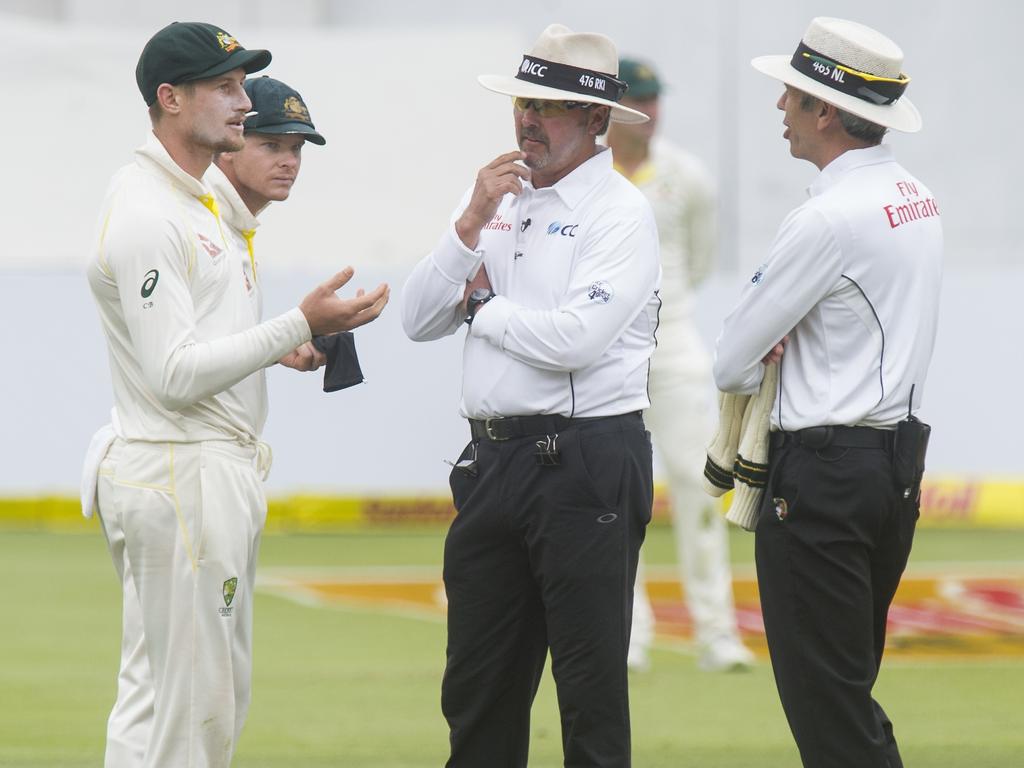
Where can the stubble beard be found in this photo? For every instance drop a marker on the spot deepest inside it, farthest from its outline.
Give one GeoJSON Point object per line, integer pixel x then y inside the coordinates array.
{"type": "Point", "coordinates": [230, 144]}
{"type": "Point", "coordinates": [218, 144]}
{"type": "Point", "coordinates": [536, 160]}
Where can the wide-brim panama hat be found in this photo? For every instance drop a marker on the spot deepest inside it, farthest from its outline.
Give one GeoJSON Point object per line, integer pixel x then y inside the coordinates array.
{"type": "Point", "coordinates": [852, 67]}
{"type": "Point", "coordinates": [569, 66]}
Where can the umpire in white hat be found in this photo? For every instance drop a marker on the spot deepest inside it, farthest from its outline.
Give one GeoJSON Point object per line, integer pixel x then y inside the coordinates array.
{"type": "Point", "coordinates": [847, 302]}
{"type": "Point", "coordinates": [551, 264]}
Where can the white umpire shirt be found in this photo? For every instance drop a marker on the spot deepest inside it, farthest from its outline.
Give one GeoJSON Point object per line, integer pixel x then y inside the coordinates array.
{"type": "Point", "coordinates": [853, 277]}
{"type": "Point", "coordinates": [179, 311]}
{"type": "Point", "coordinates": [575, 268]}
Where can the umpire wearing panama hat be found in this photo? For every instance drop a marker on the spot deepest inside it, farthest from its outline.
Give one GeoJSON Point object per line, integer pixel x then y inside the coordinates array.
{"type": "Point", "coordinates": [847, 302]}
{"type": "Point", "coordinates": [551, 263]}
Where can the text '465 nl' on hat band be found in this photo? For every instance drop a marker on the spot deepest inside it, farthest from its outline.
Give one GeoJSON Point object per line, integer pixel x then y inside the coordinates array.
{"type": "Point", "coordinates": [568, 78]}
{"type": "Point", "coordinates": [864, 86]}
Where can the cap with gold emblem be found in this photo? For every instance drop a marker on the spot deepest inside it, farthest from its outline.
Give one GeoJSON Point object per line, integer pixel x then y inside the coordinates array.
{"type": "Point", "coordinates": [278, 108]}
{"type": "Point", "coordinates": [642, 79]}
{"type": "Point", "coordinates": [191, 50]}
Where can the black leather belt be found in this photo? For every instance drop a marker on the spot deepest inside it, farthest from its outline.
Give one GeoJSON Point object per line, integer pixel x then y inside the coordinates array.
{"type": "Point", "coordinates": [816, 438]}
{"type": "Point", "coordinates": [511, 427]}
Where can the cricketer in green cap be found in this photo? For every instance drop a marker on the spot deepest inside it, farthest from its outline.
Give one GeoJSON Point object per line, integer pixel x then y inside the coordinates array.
{"type": "Point", "coordinates": [264, 170]}
{"type": "Point", "coordinates": [642, 80]}
{"type": "Point", "coordinates": [184, 51]}
{"type": "Point", "coordinates": [279, 109]}
{"type": "Point", "coordinates": [643, 94]}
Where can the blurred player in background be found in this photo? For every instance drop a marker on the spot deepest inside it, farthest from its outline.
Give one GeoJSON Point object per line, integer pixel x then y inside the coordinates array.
{"type": "Point", "coordinates": [681, 193]}
{"type": "Point", "coordinates": [179, 469]}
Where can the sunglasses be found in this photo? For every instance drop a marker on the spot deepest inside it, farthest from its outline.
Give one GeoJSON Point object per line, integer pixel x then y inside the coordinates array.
{"type": "Point", "coordinates": [548, 108]}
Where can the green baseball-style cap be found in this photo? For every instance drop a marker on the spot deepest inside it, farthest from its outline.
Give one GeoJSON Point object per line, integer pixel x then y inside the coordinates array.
{"type": "Point", "coordinates": [278, 108]}
{"type": "Point", "coordinates": [191, 50]}
{"type": "Point", "coordinates": [642, 79]}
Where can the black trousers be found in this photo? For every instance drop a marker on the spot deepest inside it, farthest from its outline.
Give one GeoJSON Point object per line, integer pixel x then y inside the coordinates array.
{"type": "Point", "coordinates": [832, 540]}
{"type": "Point", "coordinates": [538, 558]}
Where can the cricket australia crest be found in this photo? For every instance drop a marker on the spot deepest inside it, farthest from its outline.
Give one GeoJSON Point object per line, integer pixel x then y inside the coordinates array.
{"type": "Point", "coordinates": [229, 595]}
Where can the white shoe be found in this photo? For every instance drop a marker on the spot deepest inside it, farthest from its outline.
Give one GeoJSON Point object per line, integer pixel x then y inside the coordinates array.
{"type": "Point", "coordinates": [726, 654]}
{"type": "Point", "coordinates": [638, 659]}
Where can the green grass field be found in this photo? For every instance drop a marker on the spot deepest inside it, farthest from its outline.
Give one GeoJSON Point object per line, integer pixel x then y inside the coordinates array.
{"type": "Point", "coordinates": [359, 686]}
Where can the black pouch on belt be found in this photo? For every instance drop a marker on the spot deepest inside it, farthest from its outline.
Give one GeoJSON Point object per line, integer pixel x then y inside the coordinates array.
{"type": "Point", "coordinates": [908, 451]}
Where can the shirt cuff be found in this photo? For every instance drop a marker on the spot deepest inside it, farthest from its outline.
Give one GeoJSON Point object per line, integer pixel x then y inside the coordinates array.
{"type": "Point", "coordinates": [491, 320]}
{"type": "Point", "coordinates": [454, 260]}
{"type": "Point", "coordinates": [297, 324]}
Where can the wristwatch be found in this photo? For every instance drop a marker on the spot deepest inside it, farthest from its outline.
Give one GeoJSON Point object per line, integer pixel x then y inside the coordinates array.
{"type": "Point", "coordinates": [477, 298]}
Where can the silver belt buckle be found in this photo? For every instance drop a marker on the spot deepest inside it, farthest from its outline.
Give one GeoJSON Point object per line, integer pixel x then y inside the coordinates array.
{"type": "Point", "coordinates": [490, 432]}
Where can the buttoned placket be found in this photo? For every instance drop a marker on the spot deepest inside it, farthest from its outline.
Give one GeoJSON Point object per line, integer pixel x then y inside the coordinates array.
{"type": "Point", "coordinates": [522, 206]}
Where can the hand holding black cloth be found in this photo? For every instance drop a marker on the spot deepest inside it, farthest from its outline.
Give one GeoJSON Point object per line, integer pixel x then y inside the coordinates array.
{"type": "Point", "coordinates": [342, 369]}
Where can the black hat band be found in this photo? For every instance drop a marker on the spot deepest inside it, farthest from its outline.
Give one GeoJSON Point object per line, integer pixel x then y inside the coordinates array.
{"type": "Point", "coordinates": [564, 77]}
{"type": "Point", "coordinates": [861, 85]}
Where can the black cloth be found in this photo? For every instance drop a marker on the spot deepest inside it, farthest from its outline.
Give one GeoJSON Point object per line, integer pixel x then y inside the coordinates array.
{"type": "Point", "coordinates": [342, 369]}
{"type": "Point", "coordinates": [543, 557]}
{"type": "Point", "coordinates": [832, 540]}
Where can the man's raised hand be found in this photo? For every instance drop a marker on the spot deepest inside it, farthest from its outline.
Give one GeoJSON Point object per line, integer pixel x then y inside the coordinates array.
{"type": "Point", "coordinates": [495, 180]}
{"type": "Point", "coordinates": [326, 312]}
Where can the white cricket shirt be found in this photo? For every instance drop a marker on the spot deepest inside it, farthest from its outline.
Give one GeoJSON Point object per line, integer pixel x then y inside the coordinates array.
{"type": "Point", "coordinates": [240, 230]}
{"type": "Point", "coordinates": [179, 311]}
{"type": "Point", "coordinates": [575, 270]}
{"type": "Point", "coordinates": [682, 196]}
{"type": "Point", "coordinates": [853, 277]}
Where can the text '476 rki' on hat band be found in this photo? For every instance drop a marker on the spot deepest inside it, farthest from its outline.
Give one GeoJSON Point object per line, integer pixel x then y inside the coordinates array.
{"type": "Point", "coordinates": [565, 77]}
{"type": "Point", "coordinates": [862, 85]}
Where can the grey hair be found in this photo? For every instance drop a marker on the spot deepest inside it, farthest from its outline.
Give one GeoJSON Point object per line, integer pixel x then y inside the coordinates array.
{"type": "Point", "coordinates": [856, 127]}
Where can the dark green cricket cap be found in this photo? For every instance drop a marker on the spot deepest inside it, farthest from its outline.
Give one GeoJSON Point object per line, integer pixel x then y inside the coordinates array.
{"type": "Point", "coordinates": [278, 108]}
{"type": "Point", "coordinates": [642, 79]}
{"type": "Point", "coordinates": [192, 50]}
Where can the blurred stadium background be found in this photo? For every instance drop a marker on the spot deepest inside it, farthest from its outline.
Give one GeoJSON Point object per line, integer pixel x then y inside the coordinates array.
{"type": "Point", "coordinates": [350, 641]}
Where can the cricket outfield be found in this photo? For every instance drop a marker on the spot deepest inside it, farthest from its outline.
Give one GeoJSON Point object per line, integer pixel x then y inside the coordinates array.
{"type": "Point", "coordinates": [350, 650]}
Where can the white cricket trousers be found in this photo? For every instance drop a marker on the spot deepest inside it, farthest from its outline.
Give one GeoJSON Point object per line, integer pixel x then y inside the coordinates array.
{"type": "Point", "coordinates": [182, 523]}
{"type": "Point", "coordinates": [680, 420]}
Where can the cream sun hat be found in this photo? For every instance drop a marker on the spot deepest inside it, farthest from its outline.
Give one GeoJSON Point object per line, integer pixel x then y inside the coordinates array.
{"type": "Point", "coordinates": [852, 67]}
{"type": "Point", "coordinates": [569, 66]}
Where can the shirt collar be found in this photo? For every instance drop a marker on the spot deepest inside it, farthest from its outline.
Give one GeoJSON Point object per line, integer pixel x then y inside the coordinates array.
{"type": "Point", "coordinates": [573, 187]}
{"type": "Point", "coordinates": [153, 153]}
{"type": "Point", "coordinates": [846, 162]}
{"type": "Point", "coordinates": [232, 208]}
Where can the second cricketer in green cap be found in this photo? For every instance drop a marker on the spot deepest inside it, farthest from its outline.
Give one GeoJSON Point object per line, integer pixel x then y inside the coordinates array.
{"type": "Point", "coordinates": [184, 51]}
{"type": "Point", "coordinates": [276, 128]}
{"type": "Point", "coordinates": [278, 108]}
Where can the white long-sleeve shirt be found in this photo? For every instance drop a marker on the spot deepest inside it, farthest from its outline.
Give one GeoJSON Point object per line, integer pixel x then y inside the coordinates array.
{"type": "Point", "coordinates": [571, 330]}
{"type": "Point", "coordinates": [185, 343]}
{"type": "Point", "coordinates": [853, 277]}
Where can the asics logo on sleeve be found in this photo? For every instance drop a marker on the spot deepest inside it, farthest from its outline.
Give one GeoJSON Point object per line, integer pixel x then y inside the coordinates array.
{"type": "Point", "coordinates": [149, 284]}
